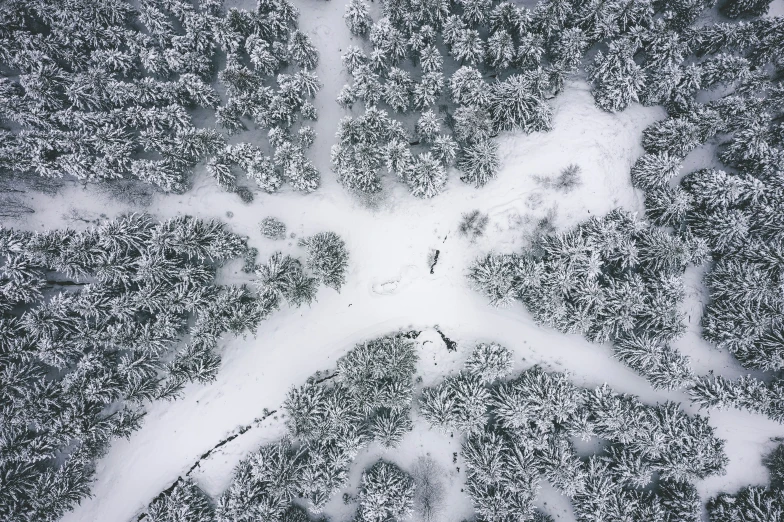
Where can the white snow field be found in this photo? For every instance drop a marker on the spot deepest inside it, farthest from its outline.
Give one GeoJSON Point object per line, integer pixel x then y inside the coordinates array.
{"type": "Point", "coordinates": [390, 287]}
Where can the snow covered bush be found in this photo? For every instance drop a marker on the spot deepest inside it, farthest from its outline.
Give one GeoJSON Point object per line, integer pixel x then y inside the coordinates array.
{"type": "Point", "coordinates": [327, 258]}
{"type": "Point", "coordinates": [655, 170]}
{"type": "Point", "coordinates": [740, 8]}
{"type": "Point", "coordinates": [363, 143]}
{"type": "Point", "coordinates": [272, 228]}
{"type": "Point", "coordinates": [386, 494]}
{"type": "Point", "coordinates": [617, 78]}
{"type": "Point", "coordinates": [263, 484]}
{"type": "Point", "coordinates": [426, 176]}
{"type": "Point", "coordinates": [524, 434]}
{"type": "Point", "coordinates": [357, 17]}
{"type": "Point", "coordinates": [490, 361]}
{"type": "Point", "coordinates": [282, 277]}
{"type": "Point", "coordinates": [389, 426]}
{"type": "Point", "coordinates": [459, 403]}
{"type": "Point", "coordinates": [379, 372]}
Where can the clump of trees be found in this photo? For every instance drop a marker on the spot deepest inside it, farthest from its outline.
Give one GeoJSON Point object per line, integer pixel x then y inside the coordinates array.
{"type": "Point", "coordinates": [330, 420]}
{"type": "Point", "coordinates": [729, 210]}
{"type": "Point", "coordinates": [273, 228]}
{"type": "Point", "coordinates": [611, 279]}
{"type": "Point", "coordinates": [183, 502]}
{"type": "Point", "coordinates": [103, 92]}
{"type": "Point", "coordinates": [95, 324]}
{"type": "Point", "coordinates": [426, 69]}
{"type": "Point", "coordinates": [520, 430]}
{"type": "Point", "coordinates": [285, 277]}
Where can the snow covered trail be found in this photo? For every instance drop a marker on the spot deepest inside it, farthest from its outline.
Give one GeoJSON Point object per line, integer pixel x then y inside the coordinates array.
{"type": "Point", "coordinates": [389, 286]}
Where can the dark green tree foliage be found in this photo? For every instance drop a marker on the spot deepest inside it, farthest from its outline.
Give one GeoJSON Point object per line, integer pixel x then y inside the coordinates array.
{"type": "Point", "coordinates": [101, 92]}
{"type": "Point", "coordinates": [610, 279]}
{"type": "Point", "coordinates": [95, 324]}
{"type": "Point", "coordinates": [755, 503]}
{"type": "Point", "coordinates": [523, 434]}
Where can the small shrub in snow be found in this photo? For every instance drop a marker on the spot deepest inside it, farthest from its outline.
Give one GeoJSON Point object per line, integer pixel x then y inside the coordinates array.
{"type": "Point", "coordinates": [568, 179]}
{"type": "Point", "coordinates": [272, 228]}
{"type": "Point", "coordinates": [249, 260]}
{"type": "Point", "coordinates": [490, 361]}
{"type": "Point", "coordinates": [473, 224]}
{"type": "Point", "coordinates": [327, 258]}
{"type": "Point", "coordinates": [245, 194]}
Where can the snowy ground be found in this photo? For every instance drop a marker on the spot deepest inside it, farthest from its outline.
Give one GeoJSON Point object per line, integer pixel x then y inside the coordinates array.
{"type": "Point", "coordinates": [390, 287]}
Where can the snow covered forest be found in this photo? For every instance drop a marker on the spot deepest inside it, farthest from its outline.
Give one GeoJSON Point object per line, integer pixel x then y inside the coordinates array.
{"type": "Point", "coordinates": [427, 260]}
